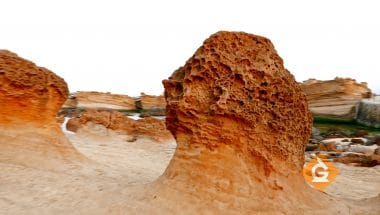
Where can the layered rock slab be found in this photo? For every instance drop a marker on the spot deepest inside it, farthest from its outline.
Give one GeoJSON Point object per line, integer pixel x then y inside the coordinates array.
{"type": "Point", "coordinates": [100, 100]}
{"type": "Point", "coordinates": [241, 123]}
{"type": "Point", "coordinates": [149, 102]}
{"type": "Point", "coordinates": [335, 98]}
{"type": "Point", "coordinates": [147, 127]}
{"type": "Point", "coordinates": [30, 97]}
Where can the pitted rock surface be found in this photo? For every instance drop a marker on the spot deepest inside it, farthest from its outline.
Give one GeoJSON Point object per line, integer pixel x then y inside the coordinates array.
{"type": "Point", "coordinates": [30, 97]}
{"type": "Point", "coordinates": [235, 91]}
{"type": "Point", "coordinates": [241, 123]}
{"type": "Point", "coordinates": [28, 92]}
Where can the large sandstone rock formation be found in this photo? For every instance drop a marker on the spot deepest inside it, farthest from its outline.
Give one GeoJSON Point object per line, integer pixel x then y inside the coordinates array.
{"type": "Point", "coordinates": [98, 100]}
{"type": "Point", "coordinates": [30, 97]}
{"type": "Point", "coordinates": [241, 123]}
{"type": "Point", "coordinates": [148, 127]}
{"type": "Point", "coordinates": [335, 98]}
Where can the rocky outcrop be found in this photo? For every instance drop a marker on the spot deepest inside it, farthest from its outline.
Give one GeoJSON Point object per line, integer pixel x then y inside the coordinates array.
{"type": "Point", "coordinates": [148, 127]}
{"type": "Point", "coordinates": [30, 97]}
{"type": "Point", "coordinates": [71, 102]}
{"type": "Point", "coordinates": [369, 112]}
{"type": "Point", "coordinates": [98, 100]}
{"type": "Point", "coordinates": [363, 160]}
{"type": "Point", "coordinates": [335, 98]}
{"type": "Point", "coordinates": [112, 120]}
{"type": "Point", "coordinates": [241, 123]}
{"type": "Point", "coordinates": [149, 102]}
{"type": "Point", "coordinates": [28, 93]}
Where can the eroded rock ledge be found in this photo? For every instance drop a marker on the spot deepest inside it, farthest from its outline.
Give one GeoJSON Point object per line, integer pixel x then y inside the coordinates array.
{"type": "Point", "coordinates": [147, 127]}
{"type": "Point", "coordinates": [335, 98]}
{"type": "Point", "coordinates": [99, 100]}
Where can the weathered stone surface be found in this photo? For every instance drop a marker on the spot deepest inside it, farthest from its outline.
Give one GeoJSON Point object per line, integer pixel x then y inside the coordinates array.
{"type": "Point", "coordinates": [359, 159]}
{"type": "Point", "coordinates": [311, 147]}
{"type": "Point", "coordinates": [328, 147]}
{"type": "Point", "coordinates": [30, 97]}
{"type": "Point", "coordinates": [335, 98]}
{"type": "Point", "coordinates": [357, 140]}
{"type": "Point", "coordinates": [148, 127]}
{"type": "Point", "coordinates": [360, 133]}
{"type": "Point", "coordinates": [362, 149]}
{"type": "Point", "coordinates": [377, 151]}
{"type": "Point", "coordinates": [28, 92]}
{"type": "Point", "coordinates": [335, 133]}
{"type": "Point", "coordinates": [241, 123]}
{"type": "Point", "coordinates": [369, 112]}
{"type": "Point", "coordinates": [71, 102]}
{"type": "Point", "coordinates": [377, 139]}
{"type": "Point", "coordinates": [99, 100]}
{"type": "Point", "coordinates": [153, 112]}
{"type": "Point", "coordinates": [149, 102]}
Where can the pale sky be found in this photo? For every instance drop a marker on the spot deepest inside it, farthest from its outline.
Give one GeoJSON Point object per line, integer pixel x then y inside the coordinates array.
{"type": "Point", "coordinates": [129, 47]}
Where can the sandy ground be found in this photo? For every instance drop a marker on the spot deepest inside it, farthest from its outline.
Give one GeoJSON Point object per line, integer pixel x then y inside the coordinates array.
{"type": "Point", "coordinates": [355, 182]}
{"type": "Point", "coordinates": [118, 166]}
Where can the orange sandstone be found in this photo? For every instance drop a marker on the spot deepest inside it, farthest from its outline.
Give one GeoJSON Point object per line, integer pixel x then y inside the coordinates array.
{"type": "Point", "coordinates": [28, 92]}
{"type": "Point", "coordinates": [148, 127]}
{"type": "Point", "coordinates": [30, 97]}
{"type": "Point", "coordinates": [149, 102]}
{"type": "Point", "coordinates": [241, 123]}
{"type": "Point", "coordinates": [100, 100]}
{"type": "Point", "coordinates": [335, 98]}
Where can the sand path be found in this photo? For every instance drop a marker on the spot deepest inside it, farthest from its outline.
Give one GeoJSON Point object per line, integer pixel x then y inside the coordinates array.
{"type": "Point", "coordinates": [117, 168]}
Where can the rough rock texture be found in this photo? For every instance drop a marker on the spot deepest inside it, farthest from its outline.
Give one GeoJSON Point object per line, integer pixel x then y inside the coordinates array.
{"type": "Point", "coordinates": [98, 100]}
{"type": "Point", "coordinates": [71, 102]}
{"type": "Point", "coordinates": [369, 112]}
{"type": "Point", "coordinates": [241, 123]}
{"type": "Point", "coordinates": [360, 133]}
{"type": "Point", "coordinates": [113, 120]}
{"type": "Point", "coordinates": [116, 121]}
{"type": "Point", "coordinates": [377, 151]}
{"type": "Point", "coordinates": [359, 159]}
{"type": "Point", "coordinates": [335, 98]}
{"type": "Point", "coordinates": [28, 92]}
{"type": "Point", "coordinates": [30, 97]}
{"type": "Point", "coordinates": [329, 147]}
{"type": "Point", "coordinates": [149, 102]}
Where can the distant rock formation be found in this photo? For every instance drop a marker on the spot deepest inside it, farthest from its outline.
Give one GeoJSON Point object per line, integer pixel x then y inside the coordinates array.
{"type": "Point", "coordinates": [30, 97]}
{"type": "Point", "coordinates": [335, 98]}
{"type": "Point", "coordinates": [98, 100]}
{"type": "Point", "coordinates": [71, 102]}
{"type": "Point", "coordinates": [148, 127]}
{"type": "Point", "coordinates": [147, 105]}
{"type": "Point", "coordinates": [369, 112]}
{"type": "Point", "coordinates": [241, 123]}
{"type": "Point", "coordinates": [149, 102]}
